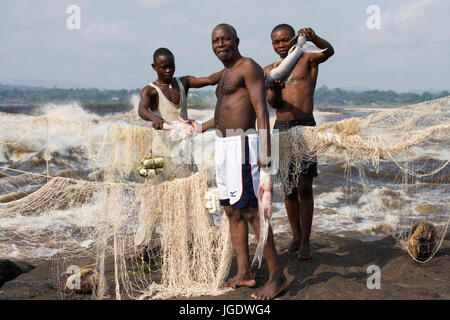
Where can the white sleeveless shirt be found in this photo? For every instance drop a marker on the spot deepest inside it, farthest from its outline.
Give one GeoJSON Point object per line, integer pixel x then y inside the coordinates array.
{"type": "Point", "coordinates": [167, 110]}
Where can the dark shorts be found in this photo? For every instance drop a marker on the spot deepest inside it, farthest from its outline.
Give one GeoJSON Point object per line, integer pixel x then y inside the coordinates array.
{"type": "Point", "coordinates": [309, 168]}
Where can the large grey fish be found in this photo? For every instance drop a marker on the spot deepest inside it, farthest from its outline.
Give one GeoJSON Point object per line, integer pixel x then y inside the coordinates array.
{"type": "Point", "coordinates": [283, 70]}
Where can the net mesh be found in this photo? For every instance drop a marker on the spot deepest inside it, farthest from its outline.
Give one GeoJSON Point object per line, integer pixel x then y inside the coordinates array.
{"type": "Point", "coordinates": [410, 142]}
{"type": "Point", "coordinates": [156, 233]}
{"type": "Point", "coordinates": [70, 192]}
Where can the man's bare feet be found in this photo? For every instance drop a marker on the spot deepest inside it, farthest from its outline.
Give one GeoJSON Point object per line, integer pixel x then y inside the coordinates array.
{"type": "Point", "coordinates": [304, 253]}
{"type": "Point", "coordinates": [239, 281]}
{"type": "Point", "coordinates": [293, 246]}
{"type": "Point", "coordinates": [271, 289]}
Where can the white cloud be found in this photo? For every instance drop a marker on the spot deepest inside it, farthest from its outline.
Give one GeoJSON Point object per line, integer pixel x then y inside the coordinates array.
{"type": "Point", "coordinates": [109, 33]}
{"type": "Point", "coordinates": [117, 43]}
{"type": "Point", "coordinates": [152, 3]}
{"type": "Point", "coordinates": [412, 9]}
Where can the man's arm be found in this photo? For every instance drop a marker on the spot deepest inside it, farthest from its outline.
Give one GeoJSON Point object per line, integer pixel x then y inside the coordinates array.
{"type": "Point", "coordinates": [274, 97]}
{"type": "Point", "coordinates": [316, 58]}
{"type": "Point", "coordinates": [205, 126]}
{"type": "Point", "coordinates": [201, 127]}
{"type": "Point", "coordinates": [254, 82]}
{"type": "Point", "coordinates": [148, 101]}
{"type": "Point", "coordinates": [193, 82]}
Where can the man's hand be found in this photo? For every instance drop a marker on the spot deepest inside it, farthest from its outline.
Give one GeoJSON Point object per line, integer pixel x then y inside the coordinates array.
{"type": "Point", "coordinates": [158, 123]}
{"type": "Point", "coordinates": [308, 33]}
{"type": "Point", "coordinates": [278, 85]}
{"type": "Point", "coordinates": [316, 58]}
{"type": "Point", "coordinates": [265, 193]}
{"type": "Point", "coordinates": [197, 126]}
{"type": "Point", "coordinates": [263, 164]}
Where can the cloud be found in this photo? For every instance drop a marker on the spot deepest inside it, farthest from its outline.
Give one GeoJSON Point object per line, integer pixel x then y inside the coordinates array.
{"type": "Point", "coordinates": [114, 46]}
{"type": "Point", "coordinates": [404, 26]}
{"type": "Point", "coordinates": [109, 33]}
{"type": "Point", "coordinates": [411, 9]}
{"type": "Point", "coordinates": [412, 14]}
{"type": "Point", "coordinates": [153, 3]}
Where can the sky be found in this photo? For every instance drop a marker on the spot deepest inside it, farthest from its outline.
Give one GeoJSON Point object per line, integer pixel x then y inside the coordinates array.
{"type": "Point", "coordinates": [114, 45]}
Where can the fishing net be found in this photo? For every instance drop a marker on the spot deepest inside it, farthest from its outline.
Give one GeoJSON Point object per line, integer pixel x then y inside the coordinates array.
{"type": "Point", "coordinates": [407, 145]}
{"type": "Point", "coordinates": [70, 192]}
{"type": "Point", "coordinates": [92, 208]}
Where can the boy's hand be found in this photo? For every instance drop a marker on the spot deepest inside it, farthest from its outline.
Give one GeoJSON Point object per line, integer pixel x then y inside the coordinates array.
{"type": "Point", "coordinates": [158, 123]}
{"type": "Point", "coordinates": [195, 125]}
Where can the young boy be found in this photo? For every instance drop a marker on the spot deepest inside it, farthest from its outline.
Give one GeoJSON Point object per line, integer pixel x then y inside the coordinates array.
{"type": "Point", "coordinates": [165, 99]}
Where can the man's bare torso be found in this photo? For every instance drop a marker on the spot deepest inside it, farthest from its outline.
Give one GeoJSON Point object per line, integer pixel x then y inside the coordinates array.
{"type": "Point", "coordinates": [234, 109]}
{"type": "Point", "coordinates": [298, 98]}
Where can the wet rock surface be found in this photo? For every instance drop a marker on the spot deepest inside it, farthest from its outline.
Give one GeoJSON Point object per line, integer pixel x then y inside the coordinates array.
{"type": "Point", "coordinates": [10, 270]}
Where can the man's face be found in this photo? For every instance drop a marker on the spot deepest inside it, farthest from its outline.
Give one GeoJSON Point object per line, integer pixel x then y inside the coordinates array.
{"type": "Point", "coordinates": [164, 67]}
{"type": "Point", "coordinates": [281, 42]}
{"type": "Point", "coordinates": [224, 43]}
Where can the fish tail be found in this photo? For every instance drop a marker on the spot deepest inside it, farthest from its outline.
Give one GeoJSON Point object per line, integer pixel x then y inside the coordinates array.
{"type": "Point", "coordinates": [312, 49]}
{"type": "Point", "coordinates": [289, 80]}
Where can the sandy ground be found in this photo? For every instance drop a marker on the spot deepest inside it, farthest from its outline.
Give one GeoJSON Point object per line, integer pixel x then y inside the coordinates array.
{"type": "Point", "coordinates": [337, 271]}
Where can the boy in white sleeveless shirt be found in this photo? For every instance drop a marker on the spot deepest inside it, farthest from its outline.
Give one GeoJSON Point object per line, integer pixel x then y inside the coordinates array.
{"type": "Point", "coordinates": [165, 99]}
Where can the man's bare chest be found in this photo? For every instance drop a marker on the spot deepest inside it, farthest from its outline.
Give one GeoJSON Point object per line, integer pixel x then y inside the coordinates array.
{"type": "Point", "coordinates": [229, 84]}
{"type": "Point", "coordinates": [303, 71]}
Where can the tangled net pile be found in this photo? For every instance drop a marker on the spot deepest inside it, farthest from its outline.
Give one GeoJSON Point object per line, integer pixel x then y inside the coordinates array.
{"type": "Point", "coordinates": [109, 211]}
{"type": "Point", "coordinates": [156, 236]}
{"type": "Point", "coordinates": [389, 136]}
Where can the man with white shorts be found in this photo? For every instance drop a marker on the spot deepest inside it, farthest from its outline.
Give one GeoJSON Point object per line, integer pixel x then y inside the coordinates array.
{"type": "Point", "coordinates": [241, 100]}
{"type": "Point", "coordinates": [237, 172]}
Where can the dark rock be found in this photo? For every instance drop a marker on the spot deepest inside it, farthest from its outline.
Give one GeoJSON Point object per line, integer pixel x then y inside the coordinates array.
{"type": "Point", "coordinates": [10, 270]}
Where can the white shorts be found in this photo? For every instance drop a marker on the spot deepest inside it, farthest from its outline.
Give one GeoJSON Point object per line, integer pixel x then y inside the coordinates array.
{"type": "Point", "coordinates": [237, 172]}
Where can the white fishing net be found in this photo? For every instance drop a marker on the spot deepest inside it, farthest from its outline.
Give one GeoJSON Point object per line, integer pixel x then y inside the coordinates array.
{"type": "Point", "coordinates": [409, 145]}
{"type": "Point", "coordinates": [70, 192]}
{"type": "Point", "coordinates": [157, 233]}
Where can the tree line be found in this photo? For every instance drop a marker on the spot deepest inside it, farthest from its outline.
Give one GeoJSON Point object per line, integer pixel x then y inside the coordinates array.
{"type": "Point", "coordinates": [337, 97]}
{"type": "Point", "coordinates": [324, 96]}
{"type": "Point", "coordinates": [14, 95]}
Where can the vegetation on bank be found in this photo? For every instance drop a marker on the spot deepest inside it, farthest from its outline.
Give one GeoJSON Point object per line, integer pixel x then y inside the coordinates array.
{"type": "Point", "coordinates": [337, 97]}
{"type": "Point", "coordinates": [13, 95]}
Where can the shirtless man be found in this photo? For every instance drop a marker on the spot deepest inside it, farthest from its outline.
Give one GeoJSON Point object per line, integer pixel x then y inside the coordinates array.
{"type": "Point", "coordinates": [165, 99]}
{"type": "Point", "coordinates": [240, 101]}
{"type": "Point", "coordinates": [294, 106]}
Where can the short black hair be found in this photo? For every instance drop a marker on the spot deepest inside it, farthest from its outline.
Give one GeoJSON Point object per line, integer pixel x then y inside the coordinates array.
{"type": "Point", "coordinates": [161, 52]}
{"type": "Point", "coordinates": [229, 26]}
{"type": "Point", "coordinates": [284, 26]}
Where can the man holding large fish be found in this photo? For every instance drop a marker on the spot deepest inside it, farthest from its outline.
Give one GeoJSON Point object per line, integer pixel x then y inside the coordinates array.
{"type": "Point", "coordinates": [290, 85]}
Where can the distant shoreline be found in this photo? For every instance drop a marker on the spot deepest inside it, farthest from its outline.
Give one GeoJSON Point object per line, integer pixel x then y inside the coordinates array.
{"type": "Point", "coordinates": [100, 109]}
{"type": "Point", "coordinates": [21, 95]}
